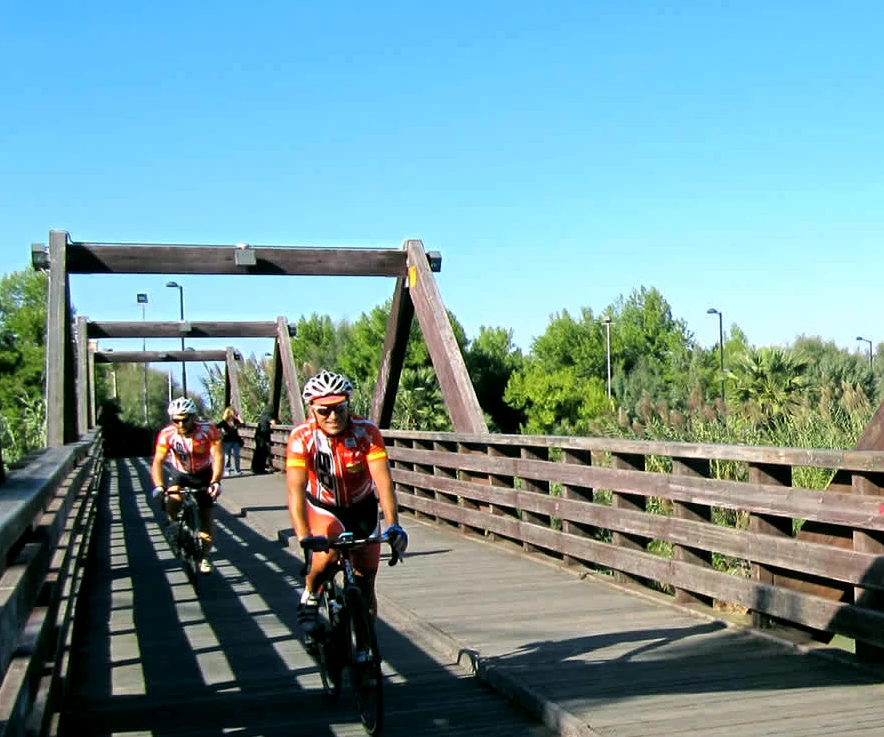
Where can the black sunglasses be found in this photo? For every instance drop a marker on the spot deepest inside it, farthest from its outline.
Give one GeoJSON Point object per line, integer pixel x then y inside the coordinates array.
{"type": "Point", "coordinates": [326, 410]}
{"type": "Point", "coordinates": [181, 420]}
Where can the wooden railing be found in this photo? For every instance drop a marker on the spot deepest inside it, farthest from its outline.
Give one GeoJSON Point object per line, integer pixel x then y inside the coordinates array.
{"type": "Point", "coordinates": [711, 525]}
{"type": "Point", "coordinates": [47, 510]}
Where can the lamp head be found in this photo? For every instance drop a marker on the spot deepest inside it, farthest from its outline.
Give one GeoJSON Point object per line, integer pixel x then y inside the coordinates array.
{"type": "Point", "coordinates": [173, 284]}
{"type": "Point", "coordinates": [712, 311]}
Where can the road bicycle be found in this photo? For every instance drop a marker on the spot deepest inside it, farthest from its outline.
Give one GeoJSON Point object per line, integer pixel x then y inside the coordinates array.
{"type": "Point", "coordinates": [184, 536]}
{"type": "Point", "coordinates": [344, 637]}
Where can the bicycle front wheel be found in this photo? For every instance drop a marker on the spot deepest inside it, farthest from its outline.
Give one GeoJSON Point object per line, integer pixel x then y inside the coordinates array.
{"type": "Point", "coordinates": [365, 664]}
{"type": "Point", "coordinates": [329, 653]}
{"type": "Point", "coordinates": [193, 544]}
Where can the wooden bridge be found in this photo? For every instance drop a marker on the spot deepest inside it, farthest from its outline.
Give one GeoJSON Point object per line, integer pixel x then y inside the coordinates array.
{"type": "Point", "coordinates": [554, 585]}
{"type": "Point", "coordinates": [525, 606]}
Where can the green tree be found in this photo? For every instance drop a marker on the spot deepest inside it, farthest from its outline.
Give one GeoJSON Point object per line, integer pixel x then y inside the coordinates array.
{"type": "Point", "coordinates": [23, 297]}
{"type": "Point", "coordinates": [768, 383]}
{"type": "Point", "coordinates": [491, 361]}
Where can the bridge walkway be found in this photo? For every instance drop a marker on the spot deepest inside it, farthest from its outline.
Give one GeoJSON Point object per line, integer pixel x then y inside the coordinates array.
{"type": "Point", "coordinates": [587, 657]}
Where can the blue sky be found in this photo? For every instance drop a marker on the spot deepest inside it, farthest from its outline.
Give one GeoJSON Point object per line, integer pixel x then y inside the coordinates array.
{"type": "Point", "coordinates": [557, 155]}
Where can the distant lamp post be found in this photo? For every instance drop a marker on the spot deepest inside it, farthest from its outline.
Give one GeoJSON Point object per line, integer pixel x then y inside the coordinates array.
{"type": "Point", "coordinates": [866, 340]}
{"type": "Point", "coordinates": [141, 298]}
{"type": "Point", "coordinates": [176, 285]}
{"type": "Point", "coordinates": [607, 322]}
{"type": "Point", "coordinates": [713, 311]}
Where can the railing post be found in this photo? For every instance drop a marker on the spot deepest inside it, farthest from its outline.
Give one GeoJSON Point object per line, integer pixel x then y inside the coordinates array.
{"type": "Point", "coordinates": [445, 472]}
{"type": "Point", "coordinates": [537, 487]}
{"type": "Point", "coordinates": [695, 468]}
{"type": "Point", "coordinates": [867, 541]}
{"type": "Point", "coordinates": [579, 493]}
{"type": "Point", "coordinates": [632, 502]}
{"type": "Point", "coordinates": [504, 482]}
{"type": "Point", "coordinates": [772, 475]}
{"type": "Point", "coordinates": [470, 449]}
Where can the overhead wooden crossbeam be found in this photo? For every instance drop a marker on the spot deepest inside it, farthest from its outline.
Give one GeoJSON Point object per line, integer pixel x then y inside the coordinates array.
{"type": "Point", "coordinates": [147, 258]}
{"type": "Point", "coordinates": [416, 293]}
{"type": "Point", "coordinates": [159, 356]}
{"type": "Point", "coordinates": [187, 329]}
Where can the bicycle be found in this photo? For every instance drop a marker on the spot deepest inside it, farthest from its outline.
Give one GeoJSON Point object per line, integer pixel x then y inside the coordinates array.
{"type": "Point", "coordinates": [344, 636]}
{"type": "Point", "coordinates": [187, 542]}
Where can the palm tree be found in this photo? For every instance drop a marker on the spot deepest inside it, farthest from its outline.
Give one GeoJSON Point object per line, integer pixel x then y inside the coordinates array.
{"type": "Point", "coordinates": [768, 383]}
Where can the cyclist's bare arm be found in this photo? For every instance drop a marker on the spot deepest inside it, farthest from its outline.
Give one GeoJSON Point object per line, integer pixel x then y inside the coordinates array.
{"type": "Point", "coordinates": [296, 481]}
{"type": "Point", "coordinates": [156, 469]}
{"type": "Point", "coordinates": [380, 474]}
{"type": "Point", "coordinates": [217, 462]}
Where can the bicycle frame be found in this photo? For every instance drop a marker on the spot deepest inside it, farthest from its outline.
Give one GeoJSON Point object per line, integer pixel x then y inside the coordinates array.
{"type": "Point", "coordinates": [348, 641]}
{"type": "Point", "coordinates": [188, 543]}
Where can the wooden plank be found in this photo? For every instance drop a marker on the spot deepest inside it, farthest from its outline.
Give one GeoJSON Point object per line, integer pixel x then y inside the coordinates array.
{"type": "Point", "coordinates": [701, 536]}
{"type": "Point", "coordinates": [284, 343]}
{"type": "Point", "coordinates": [174, 329]}
{"type": "Point", "coordinates": [82, 380]}
{"type": "Point", "coordinates": [392, 356]}
{"type": "Point", "coordinates": [150, 258]}
{"type": "Point", "coordinates": [846, 509]}
{"type": "Point", "coordinates": [454, 380]}
{"type": "Point", "coordinates": [858, 460]}
{"type": "Point", "coordinates": [160, 356]}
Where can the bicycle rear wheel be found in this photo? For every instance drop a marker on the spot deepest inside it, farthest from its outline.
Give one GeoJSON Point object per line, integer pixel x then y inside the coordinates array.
{"type": "Point", "coordinates": [365, 664]}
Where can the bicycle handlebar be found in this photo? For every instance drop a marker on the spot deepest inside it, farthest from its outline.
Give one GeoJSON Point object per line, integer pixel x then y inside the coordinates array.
{"type": "Point", "coordinates": [345, 541]}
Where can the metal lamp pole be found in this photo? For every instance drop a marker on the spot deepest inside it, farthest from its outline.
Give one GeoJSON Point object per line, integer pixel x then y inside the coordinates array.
{"type": "Point", "coordinates": [142, 300]}
{"type": "Point", "coordinates": [713, 311]}
{"type": "Point", "coordinates": [607, 322]}
{"type": "Point", "coordinates": [176, 285]}
{"type": "Point", "coordinates": [866, 340]}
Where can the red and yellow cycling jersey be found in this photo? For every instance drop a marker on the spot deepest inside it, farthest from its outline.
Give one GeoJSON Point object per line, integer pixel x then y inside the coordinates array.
{"type": "Point", "coordinates": [337, 466]}
{"type": "Point", "coordinates": [193, 452]}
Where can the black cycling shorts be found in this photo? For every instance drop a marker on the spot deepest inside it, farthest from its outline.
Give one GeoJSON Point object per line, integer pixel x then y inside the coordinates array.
{"type": "Point", "coordinates": [198, 481]}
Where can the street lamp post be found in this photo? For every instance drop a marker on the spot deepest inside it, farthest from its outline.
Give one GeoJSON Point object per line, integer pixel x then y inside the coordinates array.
{"type": "Point", "coordinates": [713, 311]}
{"type": "Point", "coordinates": [607, 322]}
{"type": "Point", "coordinates": [176, 285]}
{"type": "Point", "coordinates": [866, 340]}
{"type": "Point", "coordinates": [141, 298]}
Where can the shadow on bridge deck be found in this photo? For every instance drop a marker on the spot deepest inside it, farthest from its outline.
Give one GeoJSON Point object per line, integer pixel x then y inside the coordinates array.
{"type": "Point", "coordinates": [592, 658]}
{"type": "Point", "coordinates": [151, 658]}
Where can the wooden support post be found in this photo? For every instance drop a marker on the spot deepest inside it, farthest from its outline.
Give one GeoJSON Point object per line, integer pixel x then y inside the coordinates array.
{"type": "Point", "coordinates": [535, 486]}
{"type": "Point", "coordinates": [868, 541]}
{"type": "Point", "coordinates": [276, 378]}
{"type": "Point", "coordinates": [697, 468]}
{"type": "Point", "coordinates": [60, 368]}
{"type": "Point", "coordinates": [234, 398]}
{"type": "Point", "coordinates": [451, 371]}
{"type": "Point", "coordinates": [392, 356]}
{"type": "Point", "coordinates": [773, 475]}
{"type": "Point", "coordinates": [632, 502]}
{"type": "Point", "coordinates": [284, 342]}
{"type": "Point", "coordinates": [82, 382]}
{"type": "Point", "coordinates": [580, 493]}
{"type": "Point", "coordinates": [92, 390]}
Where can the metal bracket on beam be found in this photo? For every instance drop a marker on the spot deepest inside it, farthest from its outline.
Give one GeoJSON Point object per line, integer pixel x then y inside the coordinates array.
{"type": "Point", "coordinates": [244, 256]}
{"type": "Point", "coordinates": [434, 258]}
{"type": "Point", "coordinates": [184, 327]}
{"type": "Point", "coordinates": [39, 256]}
{"type": "Point", "coordinates": [293, 331]}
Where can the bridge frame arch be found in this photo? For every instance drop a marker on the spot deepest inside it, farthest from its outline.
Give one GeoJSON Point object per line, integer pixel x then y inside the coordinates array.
{"type": "Point", "coordinates": [416, 294]}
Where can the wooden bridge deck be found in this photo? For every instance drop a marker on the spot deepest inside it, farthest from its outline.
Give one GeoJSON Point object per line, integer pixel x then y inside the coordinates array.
{"type": "Point", "coordinates": [149, 658]}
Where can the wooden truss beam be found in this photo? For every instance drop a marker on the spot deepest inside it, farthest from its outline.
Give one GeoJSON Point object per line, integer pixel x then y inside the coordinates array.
{"type": "Point", "coordinates": [159, 356]}
{"type": "Point", "coordinates": [186, 329]}
{"type": "Point", "coordinates": [146, 258]}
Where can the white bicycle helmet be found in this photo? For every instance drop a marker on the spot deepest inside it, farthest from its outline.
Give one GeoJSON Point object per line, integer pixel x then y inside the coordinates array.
{"type": "Point", "coordinates": [181, 406]}
{"type": "Point", "coordinates": [326, 384]}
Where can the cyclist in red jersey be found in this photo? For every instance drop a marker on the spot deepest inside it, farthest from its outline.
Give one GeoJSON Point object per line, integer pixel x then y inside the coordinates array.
{"type": "Point", "coordinates": [194, 447]}
{"type": "Point", "coordinates": [337, 475]}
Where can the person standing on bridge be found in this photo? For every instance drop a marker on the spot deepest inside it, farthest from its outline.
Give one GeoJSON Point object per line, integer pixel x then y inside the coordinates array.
{"type": "Point", "coordinates": [197, 463]}
{"type": "Point", "coordinates": [337, 474]}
